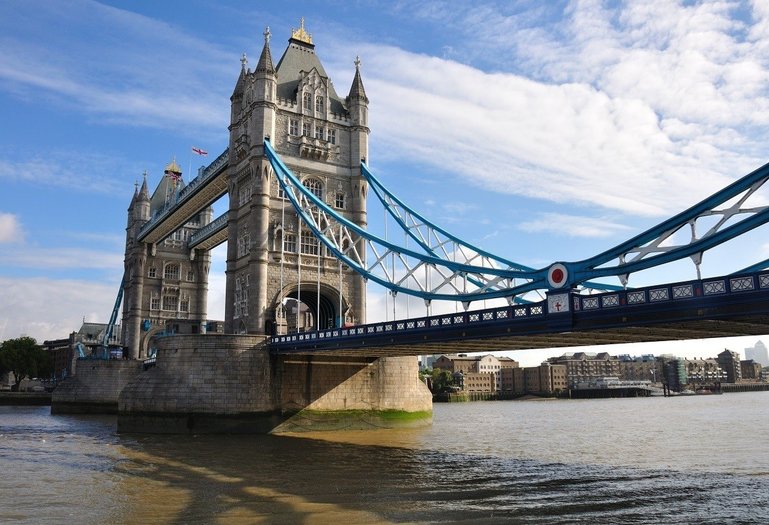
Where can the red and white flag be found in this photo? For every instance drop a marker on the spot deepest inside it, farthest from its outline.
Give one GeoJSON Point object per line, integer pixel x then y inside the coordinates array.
{"type": "Point", "coordinates": [199, 151]}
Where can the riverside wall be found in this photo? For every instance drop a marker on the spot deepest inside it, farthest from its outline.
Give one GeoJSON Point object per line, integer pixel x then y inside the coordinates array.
{"type": "Point", "coordinates": [95, 387]}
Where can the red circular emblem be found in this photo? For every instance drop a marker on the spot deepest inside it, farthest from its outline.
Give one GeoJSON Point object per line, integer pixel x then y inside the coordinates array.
{"type": "Point", "coordinates": [557, 275]}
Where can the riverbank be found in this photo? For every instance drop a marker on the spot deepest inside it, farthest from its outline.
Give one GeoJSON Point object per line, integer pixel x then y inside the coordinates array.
{"type": "Point", "coordinates": [25, 398]}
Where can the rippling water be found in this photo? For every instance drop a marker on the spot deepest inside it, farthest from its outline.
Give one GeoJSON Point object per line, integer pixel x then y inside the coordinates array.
{"type": "Point", "coordinates": [699, 459]}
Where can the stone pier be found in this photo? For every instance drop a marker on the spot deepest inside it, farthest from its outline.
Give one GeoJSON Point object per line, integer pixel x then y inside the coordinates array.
{"type": "Point", "coordinates": [218, 383]}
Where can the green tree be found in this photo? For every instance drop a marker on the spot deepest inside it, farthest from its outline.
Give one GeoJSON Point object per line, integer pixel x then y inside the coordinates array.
{"type": "Point", "coordinates": [443, 381]}
{"type": "Point", "coordinates": [25, 359]}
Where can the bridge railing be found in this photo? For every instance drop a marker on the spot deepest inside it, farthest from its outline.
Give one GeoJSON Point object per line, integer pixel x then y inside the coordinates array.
{"type": "Point", "coordinates": [710, 287]}
{"type": "Point", "coordinates": [210, 171]}
{"type": "Point", "coordinates": [475, 317]}
{"type": "Point", "coordinates": [582, 304]}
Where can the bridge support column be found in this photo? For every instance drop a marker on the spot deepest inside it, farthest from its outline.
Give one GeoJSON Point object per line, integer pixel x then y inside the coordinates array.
{"type": "Point", "coordinates": [231, 383]}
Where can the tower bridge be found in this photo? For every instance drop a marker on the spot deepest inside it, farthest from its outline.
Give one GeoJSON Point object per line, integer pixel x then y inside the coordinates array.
{"type": "Point", "coordinates": [298, 182]}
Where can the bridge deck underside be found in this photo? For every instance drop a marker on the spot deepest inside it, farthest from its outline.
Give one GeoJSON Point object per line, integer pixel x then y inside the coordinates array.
{"type": "Point", "coordinates": [639, 334]}
{"type": "Point", "coordinates": [692, 319]}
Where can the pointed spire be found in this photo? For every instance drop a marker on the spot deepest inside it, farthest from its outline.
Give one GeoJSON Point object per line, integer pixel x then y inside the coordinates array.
{"type": "Point", "coordinates": [265, 60]}
{"type": "Point", "coordinates": [238, 91]}
{"type": "Point", "coordinates": [357, 90]}
{"type": "Point", "coordinates": [144, 192]}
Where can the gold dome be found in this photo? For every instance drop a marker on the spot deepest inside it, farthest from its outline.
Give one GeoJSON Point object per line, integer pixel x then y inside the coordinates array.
{"type": "Point", "coordinates": [173, 167]}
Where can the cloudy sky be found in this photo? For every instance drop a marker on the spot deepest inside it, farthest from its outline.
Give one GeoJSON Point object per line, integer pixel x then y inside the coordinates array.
{"type": "Point", "coordinates": [541, 131]}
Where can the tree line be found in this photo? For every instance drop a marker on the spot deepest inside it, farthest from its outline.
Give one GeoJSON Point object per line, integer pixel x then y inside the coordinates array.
{"type": "Point", "coordinates": [25, 359]}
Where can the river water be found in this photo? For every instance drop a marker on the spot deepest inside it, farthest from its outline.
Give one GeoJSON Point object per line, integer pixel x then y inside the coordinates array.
{"type": "Point", "coordinates": [697, 459]}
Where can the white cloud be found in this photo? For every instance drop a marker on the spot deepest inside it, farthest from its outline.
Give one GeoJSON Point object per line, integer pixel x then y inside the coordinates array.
{"type": "Point", "coordinates": [62, 258]}
{"type": "Point", "coordinates": [627, 110]}
{"type": "Point", "coordinates": [10, 228]}
{"type": "Point", "coordinates": [46, 308]}
{"type": "Point", "coordinates": [573, 225]}
{"type": "Point", "coordinates": [144, 72]}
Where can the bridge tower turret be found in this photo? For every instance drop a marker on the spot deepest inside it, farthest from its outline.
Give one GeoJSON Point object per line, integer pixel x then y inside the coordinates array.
{"type": "Point", "coordinates": [274, 265]}
{"type": "Point", "coordinates": [165, 284]}
{"type": "Point", "coordinates": [134, 264]}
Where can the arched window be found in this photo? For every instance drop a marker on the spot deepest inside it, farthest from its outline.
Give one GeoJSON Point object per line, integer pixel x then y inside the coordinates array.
{"type": "Point", "coordinates": [315, 186]}
{"type": "Point", "coordinates": [307, 101]}
{"type": "Point", "coordinates": [319, 104]}
{"type": "Point", "coordinates": [171, 271]}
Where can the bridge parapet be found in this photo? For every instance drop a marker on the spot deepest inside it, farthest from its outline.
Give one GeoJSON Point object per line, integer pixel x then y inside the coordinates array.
{"type": "Point", "coordinates": [711, 298]}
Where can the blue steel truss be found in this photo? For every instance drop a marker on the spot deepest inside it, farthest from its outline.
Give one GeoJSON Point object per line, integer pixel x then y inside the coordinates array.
{"type": "Point", "coordinates": [440, 243]}
{"type": "Point", "coordinates": [434, 271]}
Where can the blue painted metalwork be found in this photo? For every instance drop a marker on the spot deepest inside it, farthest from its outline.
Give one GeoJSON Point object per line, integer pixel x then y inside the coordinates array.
{"type": "Point", "coordinates": [646, 248]}
{"type": "Point", "coordinates": [491, 281]}
{"type": "Point", "coordinates": [421, 230]}
{"type": "Point", "coordinates": [722, 297]}
{"type": "Point", "coordinates": [112, 320]}
{"type": "Point", "coordinates": [307, 205]}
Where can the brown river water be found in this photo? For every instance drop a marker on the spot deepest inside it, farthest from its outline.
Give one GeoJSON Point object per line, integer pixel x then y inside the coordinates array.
{"type": "Point", "coordinates": [697, 459]}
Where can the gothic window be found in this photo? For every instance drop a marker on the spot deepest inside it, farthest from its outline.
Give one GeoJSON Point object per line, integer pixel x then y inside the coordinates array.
{"type": "Point", "coordinates": [244, 242]}
{"type": "Point", "coordinates": [306, 129]}
{"type": "Point", "coordinates": [307, 102]}
{"type": "Point", "coordinates": [319, 104]}
{"type": "Point", "coordinates": [171, 271]}
{"type": "Point", "coordinates": [184, 304]}
{"type": "Point", "coordinates": [315, 186]}
{"type": "Point", "coordinates": [190, 275]}
{"type": "Point", "coordinates": [241, 296]}
{"type": "Point", "coordinates": [244, 194]}
{"type": "Point", "coordinates": [332, 136]}
{"type": "Point", "coordinates": [339, 201]}
{"type": "Point", "coordinates": [153, 272]}
{"type": "Point", "coordinates": [293, 127]}
{"type": "Point", "coordinates": [309, 243]}
{"type": "Point", "coordinates": [170, 302]}
{"type": "Point", "coordinates": [281, 193]}
{"type": "Point", "coordinates": [289, 242]}
{"type": "Point", "coordinates": [155, 303]}
{"type": "Point", "coordinates": [319, 132]}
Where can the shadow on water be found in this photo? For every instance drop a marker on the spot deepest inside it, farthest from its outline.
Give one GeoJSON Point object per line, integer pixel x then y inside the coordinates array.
{"type": "Point", "coordinates": [76, 469]}
{"type": "Point", "coordinates": [299, 480]}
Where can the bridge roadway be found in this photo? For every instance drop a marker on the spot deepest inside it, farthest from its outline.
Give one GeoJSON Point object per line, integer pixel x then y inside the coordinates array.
{"type": "Point", "coordinates": [735, 305]}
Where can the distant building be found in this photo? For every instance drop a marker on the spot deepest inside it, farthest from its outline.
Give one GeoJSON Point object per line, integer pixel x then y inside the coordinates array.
{"type": "Point", "coordinates": [758, 353]}
{"type": "Point", "coordinates": [674, 373]}
{"type": "Point", "coordinates": [640, 368]}
{"type": "Point", "coordinates": [730, 363]}
{"type": "Point", "coordinates": [582, 367]}
{"type": "Point", "coordinates": [467, 369]}
{"type": "Point", "coordinates": [750, 370]}
{"type": "Point", "coordinates": [703, 371]}
{"type": "Point", "coordinates": [88, 340]}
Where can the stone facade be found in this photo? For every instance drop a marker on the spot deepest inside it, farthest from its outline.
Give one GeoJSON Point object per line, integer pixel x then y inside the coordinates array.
{"type": "Point", "coordinates": [322, 138]}
{"type": "Point", "coordinates": [162, 281]}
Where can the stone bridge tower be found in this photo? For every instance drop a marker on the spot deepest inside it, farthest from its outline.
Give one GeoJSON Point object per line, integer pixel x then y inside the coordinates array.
{"type": "Point", "coordinates": [279, 277]}
{"type": "Point", "coordinates": [165, 283]}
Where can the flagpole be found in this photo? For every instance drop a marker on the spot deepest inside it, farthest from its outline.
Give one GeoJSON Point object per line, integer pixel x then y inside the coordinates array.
{"type": "Point", "coordinates": [189, 166]}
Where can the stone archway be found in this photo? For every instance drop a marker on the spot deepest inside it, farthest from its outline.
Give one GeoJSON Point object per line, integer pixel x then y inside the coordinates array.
{"type": "Point", "coordinates": [311, 309]}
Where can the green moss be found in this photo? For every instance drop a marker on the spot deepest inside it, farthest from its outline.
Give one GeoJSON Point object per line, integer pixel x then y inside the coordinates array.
{"type": "Point", "coordinates": [322, 420]}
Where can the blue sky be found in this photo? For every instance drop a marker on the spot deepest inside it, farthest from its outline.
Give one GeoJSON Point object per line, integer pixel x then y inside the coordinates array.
{"type": "Point", "coordinates": [541, 131]}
